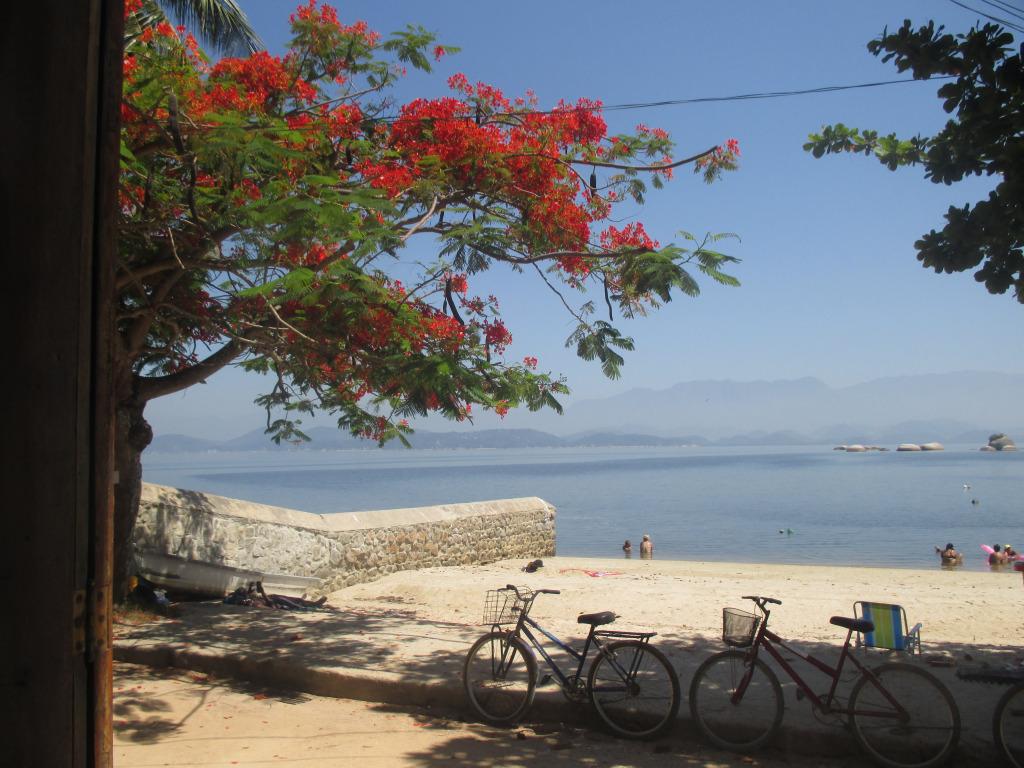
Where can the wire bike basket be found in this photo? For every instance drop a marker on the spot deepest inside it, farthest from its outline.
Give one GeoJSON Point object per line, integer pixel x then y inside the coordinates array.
{"type": "Point", "coordinates": [503, 606]}
{"type": "Point", "coordinates": [738, 627]}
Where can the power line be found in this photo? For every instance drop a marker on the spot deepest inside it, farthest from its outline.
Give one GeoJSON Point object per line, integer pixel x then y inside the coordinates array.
{"type": "Point", "coordinates": [1006, 8]}
{"type": "Point", "coordinates": [1008, 24]}
{"type": "Point", "coordinates": [633, 105]}
{"type": "Point", "coordinates": [762, 95]}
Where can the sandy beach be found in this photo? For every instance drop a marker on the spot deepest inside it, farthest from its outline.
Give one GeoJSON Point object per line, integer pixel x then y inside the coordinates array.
{"type": "Point", "coordinates": [685, 599]}
{"type": "Point", "coordinates": [403, 638]}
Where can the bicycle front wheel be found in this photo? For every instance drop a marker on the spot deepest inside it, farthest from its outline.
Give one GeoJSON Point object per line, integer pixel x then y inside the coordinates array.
{"type": "Point", "coordinates": [736, 705]}
{"type": "Point", "coordinates": [1008, 725]}
{"type": "Point", "coordinates": [907, 719]}
{"type": "Point", "coordinates": [500, 677]}
{"type": "Point", "coordinates": [634, 689]}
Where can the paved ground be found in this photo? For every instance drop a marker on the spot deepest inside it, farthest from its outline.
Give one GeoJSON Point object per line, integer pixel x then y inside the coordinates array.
{"type": "Point", "coordinates": [166, 717]}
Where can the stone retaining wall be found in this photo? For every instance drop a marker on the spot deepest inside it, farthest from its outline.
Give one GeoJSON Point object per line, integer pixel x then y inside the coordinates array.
{"type": "Point", "coordinates": [344, 548]}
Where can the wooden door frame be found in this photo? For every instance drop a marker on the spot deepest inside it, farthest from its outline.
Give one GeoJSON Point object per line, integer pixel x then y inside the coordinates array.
{"type": "Point", "coordinates": [58, 197]}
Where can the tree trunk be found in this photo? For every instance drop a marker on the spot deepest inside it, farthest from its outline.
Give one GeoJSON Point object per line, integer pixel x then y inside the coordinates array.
{"type": "Point", "coordinates": [132, 436]}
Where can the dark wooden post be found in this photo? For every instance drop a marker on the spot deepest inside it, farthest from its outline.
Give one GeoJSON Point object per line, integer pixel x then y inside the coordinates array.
{"type": "Point", "coordinates": [58, 152]}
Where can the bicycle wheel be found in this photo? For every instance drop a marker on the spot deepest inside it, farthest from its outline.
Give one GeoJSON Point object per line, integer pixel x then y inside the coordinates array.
{"type": "Point", "coordinates": [923, 734]}
{"type": "Point", "coordinates": [634, 689]}
{"type": "Point", "coordinates": [1008, 725]}
{"type": "Point", "coordinates": [742, 725]}
{"type": "Point", "coordinates": [500, 677]}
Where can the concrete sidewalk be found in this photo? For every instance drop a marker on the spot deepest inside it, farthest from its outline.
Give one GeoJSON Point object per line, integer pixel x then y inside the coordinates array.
{"type": "Point", "coordinates": [393, 655]}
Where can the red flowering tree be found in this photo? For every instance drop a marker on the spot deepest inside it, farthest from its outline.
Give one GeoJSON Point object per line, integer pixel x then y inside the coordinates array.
{"type": "Point", "coordinates": [267, 202]}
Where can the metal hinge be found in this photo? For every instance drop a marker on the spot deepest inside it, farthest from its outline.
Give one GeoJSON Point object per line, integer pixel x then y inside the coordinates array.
{"type": "Point", "coordinates": [89, 622]}
{"type": "Point", "coordinates": [99, 626]}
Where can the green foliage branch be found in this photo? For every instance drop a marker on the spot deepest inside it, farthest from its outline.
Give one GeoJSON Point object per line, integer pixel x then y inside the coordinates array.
{"type": "Point", "coordinates": [985, 93]}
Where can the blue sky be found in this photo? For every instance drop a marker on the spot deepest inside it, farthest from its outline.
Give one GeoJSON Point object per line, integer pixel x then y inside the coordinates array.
{"type": "Point", "coordinates": [830, 285]}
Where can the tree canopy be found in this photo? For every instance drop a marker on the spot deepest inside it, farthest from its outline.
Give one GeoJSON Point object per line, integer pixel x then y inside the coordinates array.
{"type": "Point", "coordinates": [220, 24]}
{"type": "Point", "coordinates": [267, 202]}
{"type": "Point", "coordinates": [985, 90]}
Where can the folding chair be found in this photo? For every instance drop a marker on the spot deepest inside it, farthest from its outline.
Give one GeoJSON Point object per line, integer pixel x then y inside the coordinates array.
{"type": "Point", "coordinates": [890, 630]}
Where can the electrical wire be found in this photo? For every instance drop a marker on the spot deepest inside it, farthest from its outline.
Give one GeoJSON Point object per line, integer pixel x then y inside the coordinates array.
{"type": "Point", "coordinates": [1008, 24]}
{"type": "Point", "coordinates": [1006, 8]}
{"type": "Point", "coordinates": [627, 106]}
{"type": "Point", "coordinates": [762, 95]}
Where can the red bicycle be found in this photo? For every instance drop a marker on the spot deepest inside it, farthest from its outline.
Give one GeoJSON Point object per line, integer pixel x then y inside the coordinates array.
{"type": "Point", "coordinates": [901, 715]}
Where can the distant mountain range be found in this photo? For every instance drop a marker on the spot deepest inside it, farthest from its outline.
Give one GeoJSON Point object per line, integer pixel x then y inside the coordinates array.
{"type": "Point", "coordinates": [720, 409]}
{"type": "Point", "coordinates": [325, 438]}
{"type": "Point", "coordinates": [954, 408]}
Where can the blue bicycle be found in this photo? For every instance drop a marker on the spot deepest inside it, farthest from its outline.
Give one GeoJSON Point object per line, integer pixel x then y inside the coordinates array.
{"type": "Point", "coordinates": [631, 685]}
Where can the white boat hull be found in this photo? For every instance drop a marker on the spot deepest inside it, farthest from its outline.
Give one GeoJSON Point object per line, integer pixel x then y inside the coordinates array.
{"type": "Point", "coordinates": [196, 577]}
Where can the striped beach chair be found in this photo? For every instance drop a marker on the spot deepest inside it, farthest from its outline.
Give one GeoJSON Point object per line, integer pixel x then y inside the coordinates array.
{"type": "Point", "coordinates": [890, 631]}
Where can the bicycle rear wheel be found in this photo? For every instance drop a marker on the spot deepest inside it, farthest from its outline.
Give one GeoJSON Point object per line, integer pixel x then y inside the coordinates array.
{"type": "Point", "coordinates": [1008, 725]}
{"type": "Point", "coordinates": [923, 734]}
{"type": "Point", "coordinates": [742, 725]}
{"type": "Point", "coordinates": [500, 677]}
{"type": "Point", "coordinates": [634, 689]}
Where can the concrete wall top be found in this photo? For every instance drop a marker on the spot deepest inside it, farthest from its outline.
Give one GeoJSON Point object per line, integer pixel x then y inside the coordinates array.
{"type": "Point", "coordinates": [339, 521]}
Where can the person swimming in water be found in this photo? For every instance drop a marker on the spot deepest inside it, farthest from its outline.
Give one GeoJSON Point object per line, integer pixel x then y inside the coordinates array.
{"type": "Point", "coordinates": [950, 555]}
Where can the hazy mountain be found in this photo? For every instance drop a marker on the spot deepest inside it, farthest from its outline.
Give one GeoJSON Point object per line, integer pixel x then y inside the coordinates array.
{"type": "Point", "coordinates": [719, 409]}
{"type": "Point", "coordinates": [591, 439]}
{"type": "Point", "coordinates": [327, 439]}
{"type": "Point", "coordinates": [184, 444]}
{"type": "Point", "coordinates": [951, 408]}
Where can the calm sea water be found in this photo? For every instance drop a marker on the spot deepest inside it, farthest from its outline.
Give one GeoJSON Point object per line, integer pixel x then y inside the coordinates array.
{"type": "Point", "coordinates": [727, 504]}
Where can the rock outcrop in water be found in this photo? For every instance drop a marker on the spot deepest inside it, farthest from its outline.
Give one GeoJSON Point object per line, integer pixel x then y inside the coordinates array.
{"type": "Point", "coordinates": [999, 442]}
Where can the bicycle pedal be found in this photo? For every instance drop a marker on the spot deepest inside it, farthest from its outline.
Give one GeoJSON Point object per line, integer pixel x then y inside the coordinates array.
{"type": "Point", "coordinates": [546, 680]}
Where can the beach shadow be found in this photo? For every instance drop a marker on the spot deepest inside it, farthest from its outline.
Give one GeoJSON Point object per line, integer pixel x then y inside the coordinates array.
{"type": "Point", "coordinates": [382, 640]}
{"type": "Point", "coordinates": [570, 744]}
{"type": "Point", "coordinates": [397, 640]}
{"type": "Point", "coordinates": [975, 701]}
{"type": "Point", "coordinates": [143, 717]}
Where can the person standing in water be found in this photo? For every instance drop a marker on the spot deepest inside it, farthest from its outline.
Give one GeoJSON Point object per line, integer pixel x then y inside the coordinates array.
{"type": "Point", "coordinates": [646, 548]}
{"type": "Point", "coordinates": [627, 549]}
{"type": "Point", "coordinates": [998, 557]}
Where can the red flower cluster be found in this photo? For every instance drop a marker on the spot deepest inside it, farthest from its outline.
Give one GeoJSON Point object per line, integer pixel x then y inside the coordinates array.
{"type": "Point", "coordinates": [723, 157]}
{"type": "Point", "coordinates": [458, 283]}
{"type": "Point", "coordinates": [252, 84]}
{"type": "Point", "coordinates": [497, 335]}
{"type": "Point", "coordinates": [630, 236]}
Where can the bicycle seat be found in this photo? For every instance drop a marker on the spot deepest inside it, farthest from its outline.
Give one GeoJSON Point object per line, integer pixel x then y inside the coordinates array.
{"type": "Point", "coordinates": [857, 625]}
{"type": "Point", "coordinates": [596, 619]}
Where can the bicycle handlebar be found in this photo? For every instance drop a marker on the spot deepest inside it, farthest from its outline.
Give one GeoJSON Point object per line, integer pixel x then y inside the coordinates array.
{"type": "Point", "coordinates": [761, 600]}
{"type": "Point", "coordinates": [536, 591]}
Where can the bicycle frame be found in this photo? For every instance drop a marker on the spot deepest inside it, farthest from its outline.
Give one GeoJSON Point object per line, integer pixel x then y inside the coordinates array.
{"type": "Point", "coordinates": [768, 640]}
{"type": "Point", "coordinates": [594, 637]}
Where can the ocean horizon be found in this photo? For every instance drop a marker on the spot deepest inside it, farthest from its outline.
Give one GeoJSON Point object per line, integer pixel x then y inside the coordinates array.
{"type": "Point", "coordinates": [786, 504]}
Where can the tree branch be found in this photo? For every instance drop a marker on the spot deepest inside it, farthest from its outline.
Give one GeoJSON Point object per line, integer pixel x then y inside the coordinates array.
{"type": "Point", "coordinates": [150, 387]}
